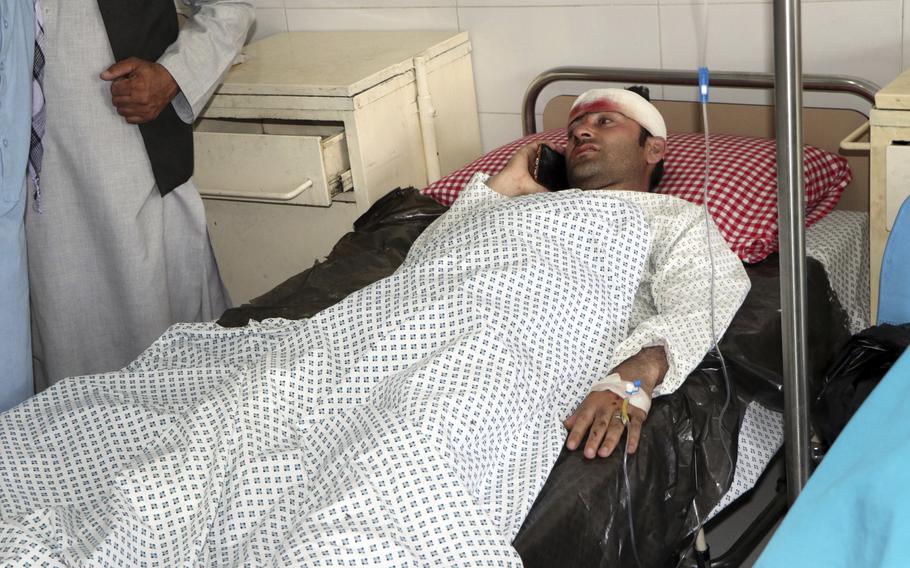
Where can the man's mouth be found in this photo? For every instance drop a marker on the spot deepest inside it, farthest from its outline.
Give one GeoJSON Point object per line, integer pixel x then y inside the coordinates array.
{"type": "Point", "coordinates": [584, 148]}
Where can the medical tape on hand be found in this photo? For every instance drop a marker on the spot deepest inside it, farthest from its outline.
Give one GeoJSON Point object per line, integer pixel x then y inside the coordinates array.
{"type": "Point", "coordinates": [627, 390]}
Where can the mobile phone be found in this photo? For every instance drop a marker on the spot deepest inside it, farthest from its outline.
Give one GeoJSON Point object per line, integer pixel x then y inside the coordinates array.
{"type": "Point", "coordinates": [550, 169]}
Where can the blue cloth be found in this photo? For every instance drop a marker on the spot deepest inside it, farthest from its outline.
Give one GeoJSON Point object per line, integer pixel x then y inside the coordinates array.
{"type": "Point", "coordinates": [894, 294]}
{"type": "Point", "coordinates": [17, 43]}
{"type": "Point", "coordinates": [855, 510]}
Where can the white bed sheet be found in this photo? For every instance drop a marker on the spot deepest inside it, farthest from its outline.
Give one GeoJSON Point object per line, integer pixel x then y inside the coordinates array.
{"type": "Point", "coordinates": [422, 439]}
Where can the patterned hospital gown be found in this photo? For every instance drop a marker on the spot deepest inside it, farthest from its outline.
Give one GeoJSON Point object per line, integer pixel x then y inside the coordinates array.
{"type": "Point", "coordinates": [412, 424]}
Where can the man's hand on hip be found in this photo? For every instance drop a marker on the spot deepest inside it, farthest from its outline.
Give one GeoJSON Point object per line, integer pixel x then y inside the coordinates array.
{"type": "Point", "coordinates": [140, 89]}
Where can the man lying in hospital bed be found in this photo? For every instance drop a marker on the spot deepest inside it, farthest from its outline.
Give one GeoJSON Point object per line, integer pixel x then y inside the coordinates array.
{"type": "Point", "coordinates": [412, 423]}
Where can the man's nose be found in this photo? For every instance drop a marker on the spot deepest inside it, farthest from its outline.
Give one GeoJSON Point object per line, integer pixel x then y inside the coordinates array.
{"type": "Point", "coordinates": [580, 131]}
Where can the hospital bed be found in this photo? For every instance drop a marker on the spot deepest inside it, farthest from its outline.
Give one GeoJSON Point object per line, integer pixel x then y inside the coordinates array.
{"type": "Point", "coordinates": [682, 474]}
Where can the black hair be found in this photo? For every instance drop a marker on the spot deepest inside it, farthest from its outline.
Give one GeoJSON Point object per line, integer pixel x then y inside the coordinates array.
{"type": "Point", "coordinates": [641, 91]}
{"type": "Point", "coordinates": [658, 172]}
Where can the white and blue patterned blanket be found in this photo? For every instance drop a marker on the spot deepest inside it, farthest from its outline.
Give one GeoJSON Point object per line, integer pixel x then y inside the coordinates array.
{"type": "Point", "coordinates": [410, 425]}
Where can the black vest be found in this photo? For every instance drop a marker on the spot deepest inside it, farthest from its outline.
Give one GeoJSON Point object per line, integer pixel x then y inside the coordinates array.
{"type": "Point", "coordinates": [144, 29]}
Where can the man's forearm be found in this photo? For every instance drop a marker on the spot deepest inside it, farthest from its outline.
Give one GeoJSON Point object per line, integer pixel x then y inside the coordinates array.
{"type": "Point", "coordinates": [648, 365]}
{"type": "Point", "coordinates": [205, 48]}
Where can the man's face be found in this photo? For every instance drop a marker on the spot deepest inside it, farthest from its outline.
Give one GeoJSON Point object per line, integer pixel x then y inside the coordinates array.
{"type": "Point", "coordinates": [603, 151]}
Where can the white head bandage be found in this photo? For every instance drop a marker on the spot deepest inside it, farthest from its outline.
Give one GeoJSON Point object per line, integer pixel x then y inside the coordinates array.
{"type": "Point", "coordinates": [624, 102]}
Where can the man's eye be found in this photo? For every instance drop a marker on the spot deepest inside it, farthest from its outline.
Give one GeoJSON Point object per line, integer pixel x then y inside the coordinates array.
{"type": "Point", "coordinates": [603, 120]}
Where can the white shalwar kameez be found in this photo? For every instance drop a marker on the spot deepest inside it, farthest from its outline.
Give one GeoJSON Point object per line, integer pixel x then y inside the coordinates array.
{"type": "Point", "coordinates": [112, 264]}
{"type": "Point", "coordinates": [411, 424]}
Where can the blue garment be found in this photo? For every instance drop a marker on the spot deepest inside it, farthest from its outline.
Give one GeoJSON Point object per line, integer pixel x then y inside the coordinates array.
{"type": "Point", "coordinates": [17, 43]}
{"type": "Point", "coordinates": [855, 510]}
{"type": "Point", "coordinates": [893, 293]}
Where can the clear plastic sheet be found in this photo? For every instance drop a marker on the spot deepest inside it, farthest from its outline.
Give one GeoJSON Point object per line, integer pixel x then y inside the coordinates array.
{"type": "Point", "coordinates": [580, 517]}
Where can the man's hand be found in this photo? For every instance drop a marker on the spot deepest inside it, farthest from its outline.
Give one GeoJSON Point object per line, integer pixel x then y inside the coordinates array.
{"type": "Point", "coordinates": [599, 412]}
{"type": "Point", "coordinates": [516, 177]}
{"type": "Point", "coordinates": [140, 89]}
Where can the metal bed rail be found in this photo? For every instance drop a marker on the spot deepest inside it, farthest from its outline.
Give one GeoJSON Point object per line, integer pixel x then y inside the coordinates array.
{"type": "Point", "coordinates": [746, 80]}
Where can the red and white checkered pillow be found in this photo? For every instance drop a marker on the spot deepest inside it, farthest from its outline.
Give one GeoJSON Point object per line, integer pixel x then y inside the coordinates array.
{"type": "Point", "coordinates": [743, 183]}
{"type": "Point", "coordinates": [446, 189]}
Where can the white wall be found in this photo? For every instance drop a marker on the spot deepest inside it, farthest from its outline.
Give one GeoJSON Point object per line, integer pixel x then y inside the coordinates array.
{"type": "Point", "coordinates": [516, 39]}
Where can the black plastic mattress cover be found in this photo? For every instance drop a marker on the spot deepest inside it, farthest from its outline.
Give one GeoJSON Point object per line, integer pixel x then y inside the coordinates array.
{"type": "Point", "coordinates": [685, 455]}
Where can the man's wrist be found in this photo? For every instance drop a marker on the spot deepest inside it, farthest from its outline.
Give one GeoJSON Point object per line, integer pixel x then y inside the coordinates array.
{"type": "Point", "coordinates": [501, 184]}
{"type": "Point", "coordinates": [649, 365]}
{"type": "Point", "coordinates": [171, 86]}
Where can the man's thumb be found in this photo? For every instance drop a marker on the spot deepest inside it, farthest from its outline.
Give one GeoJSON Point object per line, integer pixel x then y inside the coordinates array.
{"type": "Point", "coordinates": [121, 69]}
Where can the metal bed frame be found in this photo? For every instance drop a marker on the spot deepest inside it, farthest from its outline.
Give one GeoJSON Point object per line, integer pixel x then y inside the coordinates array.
{"type": "Point", "coordinates": [788, 121]}
{"type": "Point", "coordinates": [745, 80]}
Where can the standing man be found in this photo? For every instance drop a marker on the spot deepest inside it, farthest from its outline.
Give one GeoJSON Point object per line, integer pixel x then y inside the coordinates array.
{"type": "Point", "coordinates": [17, 43]}
{"type": "Point", "coordinates": [116, 230]}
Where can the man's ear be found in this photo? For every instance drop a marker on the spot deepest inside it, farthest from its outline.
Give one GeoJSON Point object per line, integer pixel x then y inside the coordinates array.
{"type": "Point", "coordinates": [655, 149]}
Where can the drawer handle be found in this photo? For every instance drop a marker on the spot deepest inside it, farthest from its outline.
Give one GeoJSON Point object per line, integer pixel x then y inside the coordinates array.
{"type": "Point", "coordinates": [850, 142]}
{"type": "Point", "coordinates": [267, 197]}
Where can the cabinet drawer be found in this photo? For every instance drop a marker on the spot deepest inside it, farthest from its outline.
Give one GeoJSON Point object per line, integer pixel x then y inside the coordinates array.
{"type": "Point", "coordinates": [253, 161]}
